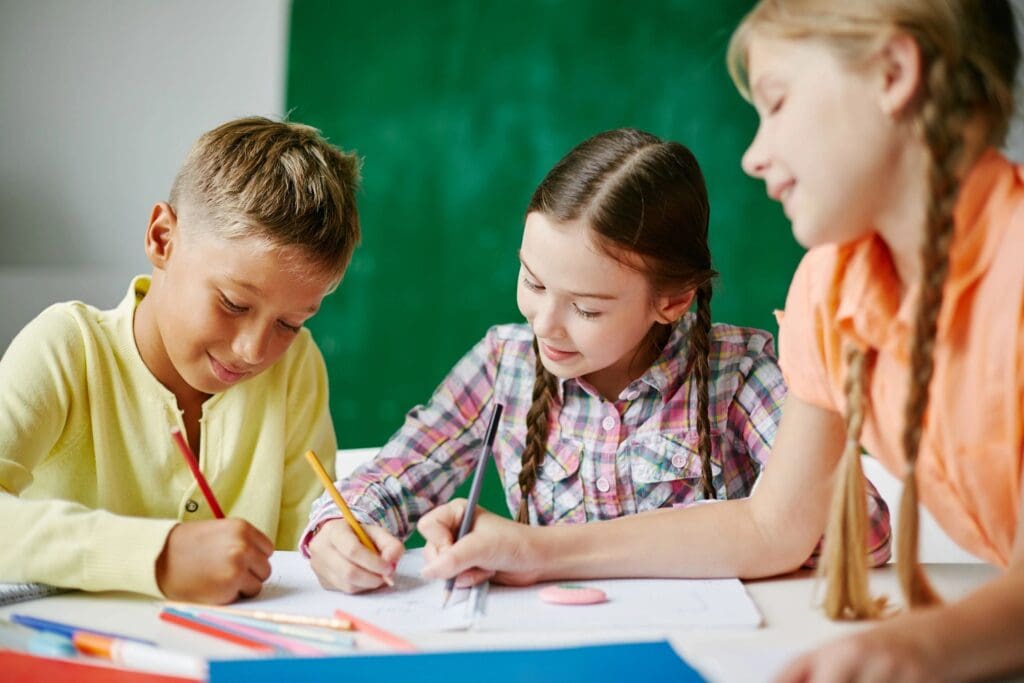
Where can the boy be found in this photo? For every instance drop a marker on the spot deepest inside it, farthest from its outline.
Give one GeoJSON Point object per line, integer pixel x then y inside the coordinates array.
{"type": "Point", "coordinates": [260, 226]}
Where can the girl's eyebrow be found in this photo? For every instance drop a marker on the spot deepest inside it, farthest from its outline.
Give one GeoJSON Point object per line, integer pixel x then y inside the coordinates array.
{"type": "Point", "coordinates": [578, 295]}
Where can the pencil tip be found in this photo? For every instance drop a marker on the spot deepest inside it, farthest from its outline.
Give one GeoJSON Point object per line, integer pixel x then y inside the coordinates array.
{"type": "Point", "coordinates": [447, 594]}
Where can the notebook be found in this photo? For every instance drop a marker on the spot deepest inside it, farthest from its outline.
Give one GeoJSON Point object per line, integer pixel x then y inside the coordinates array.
{"type": "Point", "coordinates": [11, 593]}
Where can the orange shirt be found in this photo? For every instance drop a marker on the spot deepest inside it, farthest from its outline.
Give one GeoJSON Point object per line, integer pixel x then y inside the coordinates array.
{"type": "Point", "coordinates": [969, 468]}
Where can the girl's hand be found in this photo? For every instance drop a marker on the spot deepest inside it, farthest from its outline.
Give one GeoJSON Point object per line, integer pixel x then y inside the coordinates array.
{"type": "Point", "coordinates": [879, 654]}
{"type": "Point", "coordinates": [341, 562]}
{"type": "Point", "coordinates": [496, 548]}
{"type": "Point", "coordinates": [214, 561]}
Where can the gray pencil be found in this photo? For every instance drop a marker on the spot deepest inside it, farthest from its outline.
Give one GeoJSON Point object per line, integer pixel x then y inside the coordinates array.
{"type": "Point", "coordinates": [474, 490]}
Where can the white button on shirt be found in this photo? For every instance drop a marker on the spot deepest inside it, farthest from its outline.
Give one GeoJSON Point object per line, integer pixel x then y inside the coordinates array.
{"type": "Point", "coordinates": [678, 460]}
{"type": "Point", "coordinates": [609, 423]}
{"type": "Point", "coordinates": [632, 395]}
{"type": "Point", "coordinates": [603, 486]}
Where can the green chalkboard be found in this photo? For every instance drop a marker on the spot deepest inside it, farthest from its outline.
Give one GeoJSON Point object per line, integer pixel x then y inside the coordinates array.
{"type": "Point", "coordinates": [459, 108]}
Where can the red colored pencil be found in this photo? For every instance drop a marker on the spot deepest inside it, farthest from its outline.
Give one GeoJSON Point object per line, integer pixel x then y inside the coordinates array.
{"type": "Point", "coordinates": [193, 465]}
{"type": "Point", "coordinates": [377, 633]}
{"type": "Point", "coordinates": [216, 632]}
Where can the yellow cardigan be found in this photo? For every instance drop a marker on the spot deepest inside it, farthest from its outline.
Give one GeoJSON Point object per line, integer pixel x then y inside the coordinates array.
{"type": "Point", "coordinates": [90, 481]}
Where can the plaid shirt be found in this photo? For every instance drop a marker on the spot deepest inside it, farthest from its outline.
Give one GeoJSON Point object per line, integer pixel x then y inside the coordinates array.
{"type": "Point", "coordinates": [605, 458]}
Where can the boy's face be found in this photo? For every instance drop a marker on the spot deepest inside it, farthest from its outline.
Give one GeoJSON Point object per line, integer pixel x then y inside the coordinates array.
{"type": "Point", "coordinates": [220, 311]}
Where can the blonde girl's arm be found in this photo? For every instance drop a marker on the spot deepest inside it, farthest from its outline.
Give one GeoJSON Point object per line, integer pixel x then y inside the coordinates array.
{"type": "Point", "coordinates": [976, 638]}
{"type": "Point", "coordinates": [770, 533]}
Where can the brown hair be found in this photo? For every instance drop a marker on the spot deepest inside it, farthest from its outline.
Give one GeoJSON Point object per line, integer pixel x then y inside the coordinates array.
{"type": "Point", "coordinates": [643, 198]}
{"type": "Point", "coordinates": [273, 179]}
{"type": "Point", "coordinates": [969, 56]}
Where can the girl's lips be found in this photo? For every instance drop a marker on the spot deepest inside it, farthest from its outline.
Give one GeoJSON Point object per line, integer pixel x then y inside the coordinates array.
{"type": "Point", "coordinates": [555, 354]}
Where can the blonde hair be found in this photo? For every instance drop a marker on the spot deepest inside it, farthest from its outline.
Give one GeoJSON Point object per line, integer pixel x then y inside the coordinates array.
{"type": "Point", "coordinates": [272, 179]}
{"type": "Point", "coordinates": [969, 57]}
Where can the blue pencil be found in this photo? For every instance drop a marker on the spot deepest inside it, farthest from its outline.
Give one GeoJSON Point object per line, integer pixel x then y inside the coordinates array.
{"type": "Point", "coordinates": [474, 490]}
{"type": "Point", "coordinates": [67, 630]}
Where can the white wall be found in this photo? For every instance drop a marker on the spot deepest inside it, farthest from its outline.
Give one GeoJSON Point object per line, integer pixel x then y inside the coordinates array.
{"type": "Point", "coordinates": [99, 102]}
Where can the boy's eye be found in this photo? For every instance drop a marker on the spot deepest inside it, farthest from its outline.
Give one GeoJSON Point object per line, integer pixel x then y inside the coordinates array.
{"type": "Point", "coordinates": [776, 105]}
{"type": "Point", "coordinates": [532, 286]}
{"type": "Point", "coordinates": [294, 329]}
{"type": "Point", "coordinates": [231, 306]}
{"type": "Point", "coordinates": [585, 314]}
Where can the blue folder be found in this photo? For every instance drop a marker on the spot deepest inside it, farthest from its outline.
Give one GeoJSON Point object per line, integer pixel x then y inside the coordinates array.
{"type": "Point", "coordinates": [652, 661]}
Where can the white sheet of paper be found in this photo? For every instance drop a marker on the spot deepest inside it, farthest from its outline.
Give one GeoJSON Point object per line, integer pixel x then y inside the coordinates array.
{"type": "Point", "coordinates": [413, 605]}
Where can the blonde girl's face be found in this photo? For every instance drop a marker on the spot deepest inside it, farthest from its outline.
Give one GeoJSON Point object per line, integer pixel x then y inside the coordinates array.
{"type": "Point", "coordinates": [824, 143]}
{"type": "Point", "coordinates": [589, 312]}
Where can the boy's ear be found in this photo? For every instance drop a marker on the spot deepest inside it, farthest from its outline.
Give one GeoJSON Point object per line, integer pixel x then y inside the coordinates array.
{"type": "Point", "coordinates": [671, 307]}
{"type": "Point", "coordinates": [161, 233]}
{"type": "Point", "coordinates": [901, 73]}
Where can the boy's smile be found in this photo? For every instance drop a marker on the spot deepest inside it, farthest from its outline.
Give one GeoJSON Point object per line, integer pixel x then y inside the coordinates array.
{"type": "Point", "coordinates": [220, 311]}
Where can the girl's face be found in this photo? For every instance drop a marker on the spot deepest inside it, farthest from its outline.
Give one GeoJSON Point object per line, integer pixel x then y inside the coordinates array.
{"type": "Point", "coordinates": [589, 312]}
{"type": "Point", "coordinates": [825, 144]}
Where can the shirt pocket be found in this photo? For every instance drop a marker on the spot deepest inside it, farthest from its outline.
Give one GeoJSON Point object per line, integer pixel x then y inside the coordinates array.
{"type": "Point", "coordinates": [557, 495]}
{"type": "Point", "coordinates": [666, 472]}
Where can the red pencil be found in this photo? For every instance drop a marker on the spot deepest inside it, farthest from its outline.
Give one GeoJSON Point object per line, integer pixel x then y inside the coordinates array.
{"type": "Point", "coordinates": [217, 632]}
{"type": "Point", "coordinates": [193, 465]}
{"type": "Point", "coordinates": [377, 633]}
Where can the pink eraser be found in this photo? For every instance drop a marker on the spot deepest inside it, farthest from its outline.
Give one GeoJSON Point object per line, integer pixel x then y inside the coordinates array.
{"type": "Point", "coordinates": [572, 594]}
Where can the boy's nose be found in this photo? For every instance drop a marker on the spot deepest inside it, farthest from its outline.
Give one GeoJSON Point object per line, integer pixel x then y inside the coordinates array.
{"type": "Point", "coordinates": [251, 344]}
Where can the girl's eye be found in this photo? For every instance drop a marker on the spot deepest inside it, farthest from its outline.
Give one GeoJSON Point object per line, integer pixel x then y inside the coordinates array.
{"type": "Point", "coordinates": [532, 286]}
{"type": "Point", "coordinates": [776, 106]}
{"type": "Point", "coordinates": [294, 329]}
{"type": "Point", "coordinates": [585, 314]}
{"type": "Point", "coordinates": [231, 306]}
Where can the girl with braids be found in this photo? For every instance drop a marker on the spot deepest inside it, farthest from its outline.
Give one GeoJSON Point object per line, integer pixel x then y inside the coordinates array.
{"type": "Point", "coordinates": [903, 332]}
{"type": "Point", "coordinates": [618, 402]}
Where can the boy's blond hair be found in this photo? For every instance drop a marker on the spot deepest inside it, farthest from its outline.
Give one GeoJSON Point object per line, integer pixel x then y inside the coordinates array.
{"type": "Point", "coordinates": [273, 179]}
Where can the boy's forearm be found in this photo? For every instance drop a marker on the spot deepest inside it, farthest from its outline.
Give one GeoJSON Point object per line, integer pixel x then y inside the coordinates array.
{"type": "Point", "coordinates": [681, 543]}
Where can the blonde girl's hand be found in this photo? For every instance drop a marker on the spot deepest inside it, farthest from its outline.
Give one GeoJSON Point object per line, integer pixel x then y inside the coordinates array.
{"type": "Point", "coordinates": [878, 655]}
{"type": "Point", "coordinates": [496, 548]}
{"type": "Point", "coordinates": [214, 561]}
{"type": "Point", "coordinates": [341, 562]}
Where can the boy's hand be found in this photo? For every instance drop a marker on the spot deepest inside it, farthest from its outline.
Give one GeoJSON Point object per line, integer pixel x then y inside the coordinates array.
{"type": "Point", "coordinates": [341, 562]}
{"type": "Point", "coordinates": [214, 561]}
{"type": "Point", "coordinates": [496, 548]}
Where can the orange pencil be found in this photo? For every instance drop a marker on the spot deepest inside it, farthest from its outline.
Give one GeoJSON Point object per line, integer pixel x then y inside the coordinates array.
{"type": "Point", "coordinates": [325, 478]}
{"type": "Point", "coordinates": [377, 633]}
{"type": "Point", "coordinates": [193, 465]}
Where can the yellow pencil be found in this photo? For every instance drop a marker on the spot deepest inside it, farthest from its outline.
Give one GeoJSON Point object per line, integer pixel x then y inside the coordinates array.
{"type": "Point", "coordinates": [314, 462]}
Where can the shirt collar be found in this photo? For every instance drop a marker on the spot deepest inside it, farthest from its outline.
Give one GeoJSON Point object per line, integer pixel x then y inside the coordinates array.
{"type": "Point", "coordinates": [869, 309]}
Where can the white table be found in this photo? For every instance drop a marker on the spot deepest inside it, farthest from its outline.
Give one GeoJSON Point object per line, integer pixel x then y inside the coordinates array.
{"type": "Point", "coordinates": [792, 623]}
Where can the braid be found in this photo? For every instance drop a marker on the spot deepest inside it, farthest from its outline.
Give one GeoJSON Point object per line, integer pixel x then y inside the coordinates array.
{"type": "Point", "coordinates": [844, 562]}
{"type": "Point", "coordinates": [702, 373]}
{"type": "Point", "coordinates": [544, 387]}
{"type": "Point", "coordinates": [944, 117]}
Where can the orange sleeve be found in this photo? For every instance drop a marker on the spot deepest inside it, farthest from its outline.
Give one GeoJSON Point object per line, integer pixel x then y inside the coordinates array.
{"type": "Point", "coordinates": [803, 330]}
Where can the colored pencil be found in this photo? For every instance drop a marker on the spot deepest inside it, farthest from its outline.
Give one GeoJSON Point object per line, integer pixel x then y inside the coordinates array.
{"type": "Point", "coordinates": [275, 617]}
{"type": "Point", "coordinates": [474, 489]}
{"type": "Point", "coordinates": [329, 638]}
{"type": "Point", "coordinates": [377, 633]}
{"type": "Point", "coordinates": [325, 479]}
{"type": "Point", "coordinates": [67, 630]}
{"type": "Point", "coordinates": [193, 465]}
{"type": "Point", "coordinates": [196, 624]}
